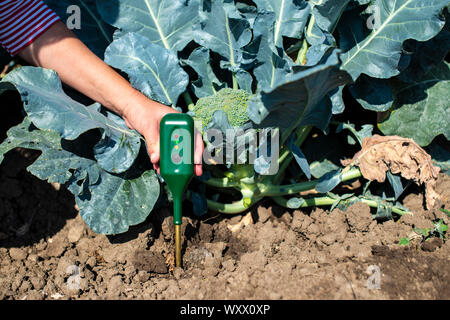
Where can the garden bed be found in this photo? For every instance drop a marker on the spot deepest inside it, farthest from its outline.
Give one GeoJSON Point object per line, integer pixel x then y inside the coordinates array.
{"type": "Point", "coordinates": [268, 253]}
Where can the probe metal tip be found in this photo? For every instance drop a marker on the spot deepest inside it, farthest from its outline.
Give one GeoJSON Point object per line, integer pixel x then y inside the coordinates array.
{"type": "Point", "coordinates": [178, 246]}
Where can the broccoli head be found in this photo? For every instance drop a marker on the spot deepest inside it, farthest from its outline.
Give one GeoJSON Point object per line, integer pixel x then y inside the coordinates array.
{"type": "Point", "coordinates": [233, 101]}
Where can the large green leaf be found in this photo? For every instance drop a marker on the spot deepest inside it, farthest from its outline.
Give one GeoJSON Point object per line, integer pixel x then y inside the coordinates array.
{"type": "Point", "coordinates": [116, 202]}
{"type": "Point", "coordinates": [290, 17]}
{"type": "Point", "coordinates": [55, 164]}
{"type": "Point", "coordinates": [301, 100]}
{"type": "Point", "coordinates": [272, 65]}
{"type": "Point", "coordinates": [326, 13]}
{"type": "Point", "coordinates": [441, 157]}
{"type": "Point", "coordinates": [421, 109]}
{"type": "Point", "coordinates": [167, 23]}
{"type": "Point", "coordinates": [22, 136]}
{"type": "Point", "coordinates": [50, 108]}
{"type": "Point", "coordinates": [379, 53]}
{"type": "Point", "coordinates": [428, 54]}
{"type": "Point", "coordinates": [108, 203]}
{"type": "Point", "coordinates": [225, 31]}
{"type": "Point", "coordinates": [94, 32]}
{"type": "Point", "coordinates": [207, 82]}
{"type": "Point", "coordinates": [372, 93]}
{"type": "Point", "coordinates": [152, 69]}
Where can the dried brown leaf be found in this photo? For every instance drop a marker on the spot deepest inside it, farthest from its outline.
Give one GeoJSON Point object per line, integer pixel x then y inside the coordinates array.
{"type": "Point", "coordinates": [400, 155]}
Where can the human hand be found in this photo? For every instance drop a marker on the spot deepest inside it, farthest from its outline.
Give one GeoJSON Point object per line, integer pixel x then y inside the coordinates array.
{"type": "Point", "coordinates": [145, 118]}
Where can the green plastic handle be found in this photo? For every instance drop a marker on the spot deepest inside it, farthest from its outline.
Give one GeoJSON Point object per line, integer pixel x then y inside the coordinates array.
{"type": "Point", "coordinates": [177, 156]}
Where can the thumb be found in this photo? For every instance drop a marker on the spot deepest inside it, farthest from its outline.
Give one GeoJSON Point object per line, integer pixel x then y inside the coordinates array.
{"type": "Point", "coordinates": [153, 151]}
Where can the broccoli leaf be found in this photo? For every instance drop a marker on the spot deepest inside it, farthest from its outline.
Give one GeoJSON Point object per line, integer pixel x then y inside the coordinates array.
{"type": "Point", "coordinates": [299, 156]}
{"type": "Point", "coordinates": [329, 181]}
{"type": "Point", "coordinates": [320, 168]}
{"type": "Point", "coordinates": [441, 157]}
{"type": "Point", "coordinates": [207, 82]}
{"type": "Point", "coordinates": [290, 17]}
{"type": "Point", "coordinates": [92, 30]}
{"type": "Point", "coordinates": [426, 55]}
{"type": "Point", "coordinates": [327, 13]}
{"type": "Point", "coordinates": [396, 183]}
{"type": "Point", "coordinates": [108, 203]}
{"type": "Point", "coordinates": [301, 96]}
{"type": "Point", "coordinates": [116, 202]}
{"type": "Point", "coordinates": [152, 69]}
{"type": "Point", "coordinates": [22, 136]}
{"type": "Point", "coordinates": [378, 54]}
{"type": "Point", "coordinates": [421, 109]}
{"type": "Point", "coordinates": [49, 108]}
{"type": "Point", "coordinates": [271, 67]}
{"type": "Point", "coordinates": [225, 31]}
{"type": "Point", "coordinates": [167, 23]}
{"type": "Point", "coordinates": [372, 93]}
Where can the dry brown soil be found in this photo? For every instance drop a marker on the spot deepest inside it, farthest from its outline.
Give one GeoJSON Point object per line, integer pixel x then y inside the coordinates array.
{"type": "Point", "coordinates": [46, 251]}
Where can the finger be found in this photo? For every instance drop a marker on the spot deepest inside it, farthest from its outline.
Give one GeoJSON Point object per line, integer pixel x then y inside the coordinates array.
{"type": "Point", "coordinates": [157, 167]}
{"type": "Point", "coordinates": [198, 170]}
{"type": "Point", "coordinates": [153, 150]}
{"type": "Point", "coordinates": [198, 148]}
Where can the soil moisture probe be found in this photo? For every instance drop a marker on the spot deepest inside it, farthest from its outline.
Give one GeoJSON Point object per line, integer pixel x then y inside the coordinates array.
{"type": "Point", "coordinates": [177, 164]}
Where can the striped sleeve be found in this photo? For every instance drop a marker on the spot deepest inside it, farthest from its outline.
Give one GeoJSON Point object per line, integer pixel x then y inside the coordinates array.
{"type": "Point", "coordinates": [23, 21]}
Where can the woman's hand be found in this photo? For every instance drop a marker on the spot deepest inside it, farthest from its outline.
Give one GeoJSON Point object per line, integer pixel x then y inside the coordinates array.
{"type": "Point", "coordinates": [144, 116]}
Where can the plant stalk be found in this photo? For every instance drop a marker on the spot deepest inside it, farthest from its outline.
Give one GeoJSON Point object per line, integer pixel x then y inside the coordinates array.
{"type": "Point", "coordinates": [277, 190]}
{"type": "Point", "coordinates": [327, 201]}
{"type": "Point", "coordinates": [188, 99]}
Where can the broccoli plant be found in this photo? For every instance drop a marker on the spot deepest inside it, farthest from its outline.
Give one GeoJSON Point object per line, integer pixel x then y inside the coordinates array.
{"type": "Point", "coordinates": [261, 64]}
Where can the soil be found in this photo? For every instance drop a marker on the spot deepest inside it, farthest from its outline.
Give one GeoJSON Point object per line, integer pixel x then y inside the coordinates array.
{"type": "Point", "coordinates": [46, 251]}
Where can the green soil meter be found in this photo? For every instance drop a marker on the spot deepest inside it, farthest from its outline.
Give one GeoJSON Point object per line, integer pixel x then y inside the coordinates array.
{"type": "Point", "coordinates": [177, 164]}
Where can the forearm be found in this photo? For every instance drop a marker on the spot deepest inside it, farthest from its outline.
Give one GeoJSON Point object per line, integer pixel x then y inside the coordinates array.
{"type": "Point", "coordinates": [59, 49]}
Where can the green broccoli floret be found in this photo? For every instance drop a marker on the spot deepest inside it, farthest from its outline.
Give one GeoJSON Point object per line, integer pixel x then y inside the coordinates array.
{"type": "Point", "coordinates": [233, 101]}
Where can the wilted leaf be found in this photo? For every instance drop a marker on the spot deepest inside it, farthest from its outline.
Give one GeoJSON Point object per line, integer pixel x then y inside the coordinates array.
{"type": "Point", "coordinates": [400, 155]}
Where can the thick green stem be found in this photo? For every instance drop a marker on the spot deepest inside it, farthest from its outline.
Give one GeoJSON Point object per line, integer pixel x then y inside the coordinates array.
{"type": "Point", "coordinates": [235, 82]}
{"type": "Point", "coordinates": [220, 183]}
{"type": "Point", "coordinates": [228, 208]}
{"type": "Point", "coordinates": [301, 57]}
{"type": "Point", "coordinates": [327, 201]}
{"type": "Point", "coordinates": [233, 207]}
{"type": "Point", "coordinates": [275, 190]}
{"type": "Point", "coordinates": [188, 99]}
